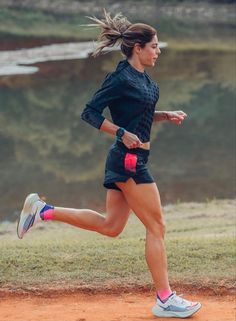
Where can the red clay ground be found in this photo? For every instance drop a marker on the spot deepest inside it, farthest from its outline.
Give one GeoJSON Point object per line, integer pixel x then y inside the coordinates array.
{"type": "Point", "coordinates": [106, 307]}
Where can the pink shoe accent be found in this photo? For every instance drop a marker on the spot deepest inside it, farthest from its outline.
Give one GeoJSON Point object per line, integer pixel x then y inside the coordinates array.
{"type": "Point", "coordinates": [48, 215]}
{"type": "Point", "coordinates": [193, 304]}
{"type": "Point", "coordinates": [164, 294]}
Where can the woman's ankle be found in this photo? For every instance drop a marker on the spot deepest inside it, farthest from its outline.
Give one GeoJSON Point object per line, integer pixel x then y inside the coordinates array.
{"type": "Point", "coordinates": [47, 213]}
{"type": "Point", "coordinates": [164, 294]}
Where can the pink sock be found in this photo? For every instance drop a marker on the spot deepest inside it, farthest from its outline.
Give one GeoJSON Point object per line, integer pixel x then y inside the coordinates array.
{"type": "Point", "coordinates": [164, 294]}
{"type": "Point", "coordinates": [48, 215]}
{"type": "Point", "coordinates": [47, 212]}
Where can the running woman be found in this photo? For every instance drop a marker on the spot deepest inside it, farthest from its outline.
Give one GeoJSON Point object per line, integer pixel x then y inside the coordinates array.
{"type": "Point", "coordinates": [131, 96]}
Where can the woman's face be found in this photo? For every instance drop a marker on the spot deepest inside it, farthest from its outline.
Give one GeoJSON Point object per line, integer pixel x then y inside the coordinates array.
{"type": "Point", "coordinates": [149, 54]}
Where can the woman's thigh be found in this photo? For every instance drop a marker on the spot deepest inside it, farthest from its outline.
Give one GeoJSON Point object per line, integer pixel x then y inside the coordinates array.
{"type": "Point", "coordinates": [144, 200]}
{"type": "Point", "coordinates": [117, 209]}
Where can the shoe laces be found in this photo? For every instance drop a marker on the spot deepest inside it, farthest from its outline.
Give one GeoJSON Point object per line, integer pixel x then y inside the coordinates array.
{"type": "Point", "coordinates": [179, 300]}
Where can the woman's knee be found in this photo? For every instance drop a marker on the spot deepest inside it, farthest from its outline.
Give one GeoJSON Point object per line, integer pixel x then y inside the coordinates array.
{"type": "Point", "coordinates": [157, 228]}
{"type": "Point", "coordinates": [111, 230]}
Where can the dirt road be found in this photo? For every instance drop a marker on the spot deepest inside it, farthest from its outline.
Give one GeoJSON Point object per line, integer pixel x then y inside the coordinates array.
{"type": "Point", "coordinates": [105, 307]}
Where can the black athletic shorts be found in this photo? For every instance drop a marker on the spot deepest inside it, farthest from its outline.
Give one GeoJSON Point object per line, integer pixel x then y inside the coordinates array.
{"type": "Point", "coordinates": [123, 163]}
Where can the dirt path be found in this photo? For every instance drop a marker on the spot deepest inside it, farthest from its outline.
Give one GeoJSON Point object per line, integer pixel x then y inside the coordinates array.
{"type": "Point", "coordinates": [100, 307]}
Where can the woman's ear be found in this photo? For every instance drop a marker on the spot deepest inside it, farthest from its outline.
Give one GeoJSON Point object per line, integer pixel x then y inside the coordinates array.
{"type": "Point", "coordinates": [137, 48]}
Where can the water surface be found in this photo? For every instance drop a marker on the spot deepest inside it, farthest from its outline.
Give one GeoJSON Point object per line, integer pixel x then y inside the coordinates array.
{"type": "Point", "coordinates": [47, 148]}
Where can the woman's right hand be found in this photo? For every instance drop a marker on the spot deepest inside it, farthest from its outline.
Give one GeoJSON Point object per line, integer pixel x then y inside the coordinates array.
{"type": "Point", "coordinates": [131, 140]}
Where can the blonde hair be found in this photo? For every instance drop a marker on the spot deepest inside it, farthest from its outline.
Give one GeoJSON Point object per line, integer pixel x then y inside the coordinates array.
{"type": "Point", "coordinates": [120, 30]}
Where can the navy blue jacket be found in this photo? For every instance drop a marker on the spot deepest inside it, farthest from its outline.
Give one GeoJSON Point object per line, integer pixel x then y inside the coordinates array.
{"type": "Point", "coordinates": [130, 95]}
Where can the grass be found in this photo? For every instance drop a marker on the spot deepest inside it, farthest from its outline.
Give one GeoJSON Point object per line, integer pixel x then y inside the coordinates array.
{"type": "Point", "coordinates": [212, 44]}
{"type": "Point", "coordinates": [180, 35]}
{"type": "Point", "coordinates": [16, 22]}
{"type": "Point", "coordinates": [200, 244]}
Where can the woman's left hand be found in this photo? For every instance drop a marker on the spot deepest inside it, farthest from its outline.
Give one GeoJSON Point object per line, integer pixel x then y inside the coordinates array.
{"type": "Point", "coordinates": [176, 117]}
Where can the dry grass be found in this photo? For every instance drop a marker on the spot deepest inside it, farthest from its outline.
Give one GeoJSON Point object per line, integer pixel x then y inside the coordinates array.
{"type": "Point", "coordinates": [200, 244]}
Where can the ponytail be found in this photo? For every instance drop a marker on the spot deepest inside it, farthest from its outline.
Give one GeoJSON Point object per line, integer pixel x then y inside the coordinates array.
{"type": "Point", "coordinates": [120, 30]}
{"type": "Point", "coordinates": [112, 30]}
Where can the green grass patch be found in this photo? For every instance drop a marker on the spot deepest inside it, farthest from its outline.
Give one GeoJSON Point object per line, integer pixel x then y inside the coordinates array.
{"type": "Point", "coordinates": [24, 23]}
{"type": "Point", "coordinates": [16, 22]}
{"type": "Point", "coordinates": [212, 44]}
{"type": "Point", "coordinates": [200, 243]}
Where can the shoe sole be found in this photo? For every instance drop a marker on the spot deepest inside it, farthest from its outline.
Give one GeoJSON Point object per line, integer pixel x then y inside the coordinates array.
{"type": "Point", "coordinates": [29, 201]}
{"type": "Point", "coordinates": [158, 312]}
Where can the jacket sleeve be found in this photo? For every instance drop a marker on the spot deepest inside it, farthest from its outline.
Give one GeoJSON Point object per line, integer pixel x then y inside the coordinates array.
{"type": "Point", "coordinates": [109, 91]}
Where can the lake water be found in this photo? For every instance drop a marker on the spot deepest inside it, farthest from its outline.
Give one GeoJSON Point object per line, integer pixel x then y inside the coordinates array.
{"type": "Point", "coordinates": [47, 148]}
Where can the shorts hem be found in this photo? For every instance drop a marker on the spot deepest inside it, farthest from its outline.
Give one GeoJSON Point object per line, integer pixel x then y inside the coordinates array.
{"type": "Point", "coordinates": [112, 184]}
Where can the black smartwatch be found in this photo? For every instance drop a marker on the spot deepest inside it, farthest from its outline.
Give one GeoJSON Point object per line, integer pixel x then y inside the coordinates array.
{"type": "Point", "coordinates": [120, 133]}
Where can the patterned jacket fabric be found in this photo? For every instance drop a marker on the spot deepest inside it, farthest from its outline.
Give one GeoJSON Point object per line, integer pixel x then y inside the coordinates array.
{"type": "Point", "coordinates": [131, 97]}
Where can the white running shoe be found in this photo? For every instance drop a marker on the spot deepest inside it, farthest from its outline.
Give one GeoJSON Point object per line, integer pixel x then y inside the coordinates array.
{"type": "Point", "coordinates": [175, 307]}
{"type": "Point", "coordinates": [30, 214]}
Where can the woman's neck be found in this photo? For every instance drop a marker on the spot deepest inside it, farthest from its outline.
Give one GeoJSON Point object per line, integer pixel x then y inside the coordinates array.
{"type": "Point", "coordinates": [135, 63]}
